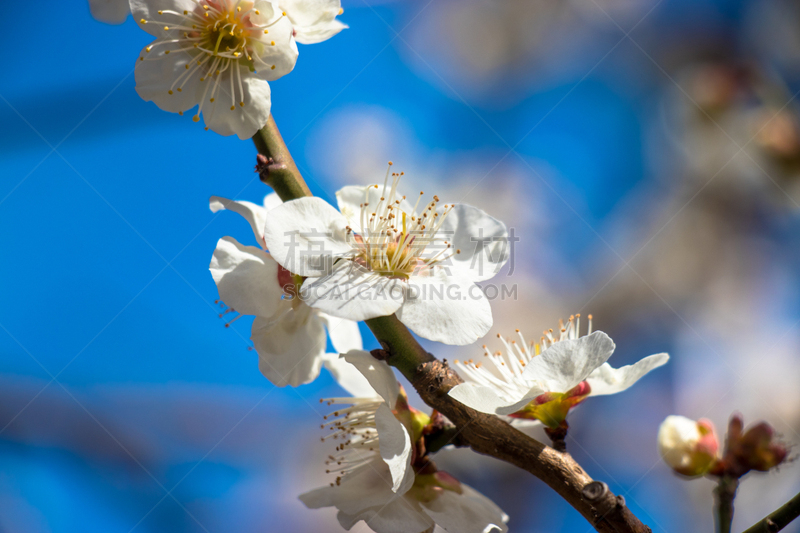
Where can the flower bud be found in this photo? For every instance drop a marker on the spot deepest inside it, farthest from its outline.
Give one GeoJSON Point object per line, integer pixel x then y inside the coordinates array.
{"type": "Point", "coordinates": [688, 447]}
{"type": "Point", "coordinates": [758, 449]}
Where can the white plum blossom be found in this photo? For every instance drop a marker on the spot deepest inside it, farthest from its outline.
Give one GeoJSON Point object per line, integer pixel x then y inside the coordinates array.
{"type": "Point", "coordinates": [217, 55]}
{"type": "Point", "coordinates": [378, 255]}
{"type": "Point", "coordinates": [288, 335]}
{"type": "Point", "coordinates": [689, 447]}
{"type": "Point", "coordinates": [379, 477]}
{"type": "Point", "coordinates": [110, 11]}
{"type": "Point", "coordinates": [314, 21]}
{"type": "Point", "coordinates": [543, 381]}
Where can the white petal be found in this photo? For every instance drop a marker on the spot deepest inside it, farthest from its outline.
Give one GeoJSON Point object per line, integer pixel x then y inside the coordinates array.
{"type": "Point", "coordinates": [155, 78]}
{"type": "Point", "coordinates": [290, 349]}
{"type": "Point", "coordinates": [313, 20]}
{"type": "Point", "coordinates": [282, 54]}
{"type": "Point", "coordinates": [403, 515]}
{"type": "Point", "coordinates": [344, 334]}
{"type": "Point", "coordinates": [110, 11]}
{"type": "Point", "coordinates": [367, 486]}
{"type": "Point", "coordinates": [566, 363]}
{"type": "Point", "coordinates": [348, 376]}
{"type": "Point", "coordinates": [148, 10]}
{"type": "Point", "coordinates": [481, 398]}
{"type": "Point", "coordinates": [271, 201]}
{"type": "Point", "coordinates": [447, 309]}
{"type": "Point", "coordinates": [253, 213]}
{"type": "Point", "coordinates": [244, 121]}
{"type": "Point", "coordinates": [469, 512]}
{"type": "Point", "coordinates": [350, 198]}
{"type": "Point", "coordinates": [305, 234]}
{"type": "Point", "coordinates": [246, 277]}
{"type": "Point", "coordinates": [378, 373]}
{"type": "Point", "coordinates": [481, 239]}
{"type": "Point", "coordinates": [320, 32]}
{"type": "Point", "coordinates": [395, 448]}
{"type": "Point", "coordinates": [352, 292]}
{"type": "Point", "coordinates": [609, 380]}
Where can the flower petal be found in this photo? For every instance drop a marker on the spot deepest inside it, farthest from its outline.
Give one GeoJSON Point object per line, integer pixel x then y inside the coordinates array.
{"type": "Point", "coordinates": [379, 374]}
{"type": "Point", "coordinates": [609, 380]}
{"type": "Point", "coordinates": [447, 309]}
{"type": "Point", "coordinates": [365, 487]}
{"type": "Point", "coordinates": [243, 120]}
{"type": "Point", "coordinates": [481, 239]}
{"type": "Point", "coordinates": [344, 334]}
{"type": "Point", "coordinates": [314, 21]}
{"type": "Point", "coordinates": [253, 213]}
{"type": "Point", "coordinates": [566, 363]}
{"type": "Point", "coordinates": [350, 291]}
{"type": "Point", "coordinates": [320, 32]}
{"type": "Point", "coordinates": [468, 512]}
{"type": "Point", "coordinates": [395, 448]}
{"type": "Point", "coordinates": [290, 349]}
{"type": "Point", "coordinates": [275, 53]}
{"type": "Point", "coordinates": [399, 516]}
{"type": "Point", "coordinates": [304, 235]}
{"type": "Point", "coordinates": [110, 11]}
{"type": "Point", "coordinates": [148, 10]}
{"type": "Point", "coordinates": [246, 277]}
{"type": "Point", "coordinates": [271, 201]}
{"type": "Point", "coordinates": [478, 397]}
{"type": "Point", "coordinates": [348, 376]}
{"type": "Point", "coordinates": [155, 78]}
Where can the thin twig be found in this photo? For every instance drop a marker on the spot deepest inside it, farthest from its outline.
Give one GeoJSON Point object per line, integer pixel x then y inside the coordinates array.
{"type": "Point", "coordinates": [779, 519]}
{"type": "Point", "coordinates": [725, 493]}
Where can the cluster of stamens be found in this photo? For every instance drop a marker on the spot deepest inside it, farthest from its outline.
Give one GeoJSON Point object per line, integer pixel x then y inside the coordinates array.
{"type": "Point", "coordinates": [392, 241]}
{"type": "Point", "coordinates": [354, 429]}
{"type": "Point", "coordinates": [220, 35]}
{"type": "Point", "coordinates": [503, 369]}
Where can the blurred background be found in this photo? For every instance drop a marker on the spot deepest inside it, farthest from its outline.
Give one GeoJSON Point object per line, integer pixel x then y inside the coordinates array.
{"type": "Point", "coordinates": [646, 152]}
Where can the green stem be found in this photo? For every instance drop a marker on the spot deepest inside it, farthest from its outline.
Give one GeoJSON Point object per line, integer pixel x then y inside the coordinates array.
{"type": "Point", "coordinates": [779, 519]}
{"type": "Point", "coordinates": [280, 172]}
{"type": "Point", "coordinates": [725, 493]}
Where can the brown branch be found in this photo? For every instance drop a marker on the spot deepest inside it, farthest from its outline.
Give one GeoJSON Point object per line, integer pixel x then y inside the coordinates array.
{"type": "Point", "coordinates": [779, 519]}
{"type": "Point", "coordinates": [486, 434]}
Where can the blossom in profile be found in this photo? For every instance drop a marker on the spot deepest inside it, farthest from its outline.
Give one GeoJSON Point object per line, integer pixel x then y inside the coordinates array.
{"type": "Point", "coordinates": [382, 473]}
{"type": "Point", "coordinates": [543, 381]}
{"type": "Point", "coordinates": [288, 335]}
{"type": "Point", "coordinates": [110, 11]}
{"type": "Point", "coordinates": [314, 21]}
{"type": "Point", "coordinates": [217, 55]}
{"type": "Point", "coordinates": [689, 447]}
{"type": "Point", "coordinates": [380, 254]}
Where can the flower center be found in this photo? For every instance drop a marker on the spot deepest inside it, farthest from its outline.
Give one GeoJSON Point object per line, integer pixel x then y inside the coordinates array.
{"type": "Point", "coordinates": [395, 240]}
{"type": "Point", "coordinates": [220, 36]}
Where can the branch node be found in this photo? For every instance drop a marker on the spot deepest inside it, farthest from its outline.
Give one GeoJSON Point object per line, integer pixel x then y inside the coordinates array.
{"type": "Point", "coordinates": [380, 355]}
{"type": "Point", "coordinates": [594, 491]}
{"type": "Point", "coordinates": [266, 166]}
